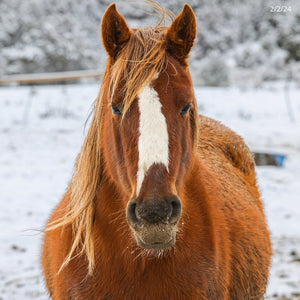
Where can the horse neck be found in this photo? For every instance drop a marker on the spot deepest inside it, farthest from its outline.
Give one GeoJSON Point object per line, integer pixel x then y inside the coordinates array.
{"type": "Point", "coordinates": [110, 214]}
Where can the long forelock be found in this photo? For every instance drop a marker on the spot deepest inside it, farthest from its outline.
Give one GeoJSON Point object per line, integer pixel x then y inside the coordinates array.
{"type": "Point", "coordinates": [141, 58]}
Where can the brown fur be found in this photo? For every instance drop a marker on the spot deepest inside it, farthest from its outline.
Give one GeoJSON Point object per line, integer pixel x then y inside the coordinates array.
{"type": "Point", "coordinates": [222, 248]}
{"type": "Point", "coordinates": [113, 21]}
{"type": "Point", "coordinates": [181, 34]}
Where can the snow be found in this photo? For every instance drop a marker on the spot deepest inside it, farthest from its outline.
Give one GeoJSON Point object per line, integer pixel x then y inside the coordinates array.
{"type": "Point", "coordinates": [39, 36]}
{"type": "Point", "coordinates": [41, 132]}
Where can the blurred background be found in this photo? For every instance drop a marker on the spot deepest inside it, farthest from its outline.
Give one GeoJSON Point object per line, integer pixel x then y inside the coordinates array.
{"type": "Point", "coordinates": [246, 72]}
{"type": "Point", "coordinates": [238, 41]}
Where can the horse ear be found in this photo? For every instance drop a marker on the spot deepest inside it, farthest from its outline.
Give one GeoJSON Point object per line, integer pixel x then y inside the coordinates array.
{"type": "Point", "coordinates": [114, 30]}
{"type": "Point", "coordinates": [181, 34]}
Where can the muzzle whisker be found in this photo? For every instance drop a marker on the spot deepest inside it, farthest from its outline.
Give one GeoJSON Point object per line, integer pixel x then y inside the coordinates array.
{"type": "Point", "coordinates": [139, 255]}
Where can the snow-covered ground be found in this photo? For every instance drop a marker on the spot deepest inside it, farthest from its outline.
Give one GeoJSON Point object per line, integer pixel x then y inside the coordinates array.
{"type": "Point", "coordinates": [41, 132]}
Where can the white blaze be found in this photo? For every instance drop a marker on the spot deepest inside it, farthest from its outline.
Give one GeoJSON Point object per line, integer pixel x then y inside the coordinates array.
{"type": "Point", "coordinates": [153, 145]}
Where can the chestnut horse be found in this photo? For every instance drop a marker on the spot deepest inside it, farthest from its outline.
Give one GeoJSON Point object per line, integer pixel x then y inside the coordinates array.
{"type": "Point", "coordinates": [163, 203]}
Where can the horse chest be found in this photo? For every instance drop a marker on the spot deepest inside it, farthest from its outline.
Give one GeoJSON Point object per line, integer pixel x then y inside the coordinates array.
{"type": "Point", "coordinates": [146, 280]}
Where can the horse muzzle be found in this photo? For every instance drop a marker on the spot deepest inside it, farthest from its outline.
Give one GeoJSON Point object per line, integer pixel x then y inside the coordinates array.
{"type": "Point", "coordinates": [154, 221]}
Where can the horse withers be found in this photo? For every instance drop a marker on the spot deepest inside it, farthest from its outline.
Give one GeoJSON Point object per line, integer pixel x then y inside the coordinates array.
{"type": "Point", "coordinates": [163, 203]}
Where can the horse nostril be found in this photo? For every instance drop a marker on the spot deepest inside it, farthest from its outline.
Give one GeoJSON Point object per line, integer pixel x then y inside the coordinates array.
{"type": "Point", "coordinates": [154, 211]}
{"type": "Point", "coordinates": [131, 213]}
{"type": "Point", "coordinates": [176, 210]}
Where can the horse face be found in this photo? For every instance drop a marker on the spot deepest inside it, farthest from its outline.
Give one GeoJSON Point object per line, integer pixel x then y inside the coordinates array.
{"type": "Point", "coordinates": [164, 150]}
{"type": "Point", "coordinates": [151, 148]}
{"type": "Point", "coordinates": [151, 144]}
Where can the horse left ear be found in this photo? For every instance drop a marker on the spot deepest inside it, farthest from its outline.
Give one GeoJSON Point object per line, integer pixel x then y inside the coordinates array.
{"type": "Point", "coordinates": [114, 30]}
{"type": "Point", "coordinates": [181, 34]}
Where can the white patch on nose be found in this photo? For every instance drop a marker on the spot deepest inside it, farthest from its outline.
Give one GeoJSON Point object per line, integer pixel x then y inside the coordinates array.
{"type": "Point", "coordinates": [153, 145]}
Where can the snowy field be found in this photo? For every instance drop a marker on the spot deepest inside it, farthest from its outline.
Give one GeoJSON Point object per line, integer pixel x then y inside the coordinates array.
{"type": "Point", "coordinates": [41, 132]}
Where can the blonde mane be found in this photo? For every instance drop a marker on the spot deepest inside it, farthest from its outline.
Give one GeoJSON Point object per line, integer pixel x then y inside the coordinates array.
{"type": "Point", "coordinates": [142, 57]}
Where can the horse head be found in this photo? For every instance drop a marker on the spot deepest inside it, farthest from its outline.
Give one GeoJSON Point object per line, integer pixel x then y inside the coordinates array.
{"type": "Point", "coordinates": [150, 122]}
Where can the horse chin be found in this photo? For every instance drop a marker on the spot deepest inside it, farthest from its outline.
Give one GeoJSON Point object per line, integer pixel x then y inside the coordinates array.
{"type": "Point", "coordinates": [156, 237]}
{"type": "Point", "coordinates": [157, 245]}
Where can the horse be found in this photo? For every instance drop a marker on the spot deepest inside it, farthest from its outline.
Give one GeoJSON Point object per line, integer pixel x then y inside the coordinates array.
{"type": "Point", "coordinates": [163, 202]}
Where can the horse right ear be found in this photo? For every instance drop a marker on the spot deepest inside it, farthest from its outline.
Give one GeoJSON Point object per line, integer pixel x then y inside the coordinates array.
{"type": "Point", "coordinates": [114, 30]}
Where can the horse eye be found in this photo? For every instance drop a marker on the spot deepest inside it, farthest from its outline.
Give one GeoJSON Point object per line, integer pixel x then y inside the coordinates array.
{"type": "Point", "coordinates": [116, 110]}
{"type": "Point", "coordinates": [185, 109]}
